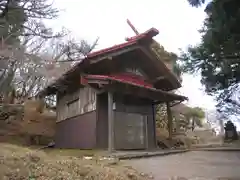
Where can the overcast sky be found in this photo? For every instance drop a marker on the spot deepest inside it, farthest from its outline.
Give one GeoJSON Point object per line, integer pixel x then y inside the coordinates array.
{"type": "Point", "coordinates": [177, 22]}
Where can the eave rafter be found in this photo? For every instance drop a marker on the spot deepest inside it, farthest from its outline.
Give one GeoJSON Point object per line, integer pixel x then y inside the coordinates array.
{"type": "Point", "coordinates": [159, 78]}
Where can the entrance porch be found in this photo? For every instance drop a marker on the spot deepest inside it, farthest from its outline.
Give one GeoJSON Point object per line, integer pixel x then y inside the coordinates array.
{"type": "Point", "coordinates": [126, 113]}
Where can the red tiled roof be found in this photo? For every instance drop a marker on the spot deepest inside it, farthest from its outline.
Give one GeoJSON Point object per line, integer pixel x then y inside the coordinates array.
{"type": "Point", "coordinates": [131, 41]}
{"type": "Point", "coordinates": [148, 35]}
{"type": "Point", "coordinates": [123, 77]}
{"type": "Point", "coordinates": [124, 81]}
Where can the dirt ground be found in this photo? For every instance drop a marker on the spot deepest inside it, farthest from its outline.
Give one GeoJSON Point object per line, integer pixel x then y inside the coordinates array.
{"type": "Point", "coordinates": [196, 165]}
{"type": "Point", "coordinates": [19, 163]}
{"type": "Point", "coordinates": [26, 164]}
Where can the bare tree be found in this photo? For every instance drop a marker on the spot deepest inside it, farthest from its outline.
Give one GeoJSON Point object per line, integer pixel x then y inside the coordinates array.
{"type": "Point", "coordinates": [28, 71]}
{"type": "Point", "coordinates": [31, 54]}
{"type": "Point", "coordinates": [4, 6]}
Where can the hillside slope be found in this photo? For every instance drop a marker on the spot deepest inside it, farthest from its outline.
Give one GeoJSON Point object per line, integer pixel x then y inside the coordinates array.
{"type": "Point", "coordinates": [25, 164]}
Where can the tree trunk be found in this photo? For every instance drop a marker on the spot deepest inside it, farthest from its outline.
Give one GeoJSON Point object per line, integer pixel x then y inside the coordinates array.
{"type": "Point", "coordinates": [170, 120]}
{"type": "Point", "coordinates": [193, 124]}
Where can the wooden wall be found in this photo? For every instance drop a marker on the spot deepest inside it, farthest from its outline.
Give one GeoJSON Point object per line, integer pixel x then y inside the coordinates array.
{"type": "Point", "coordinates": [76, 119]}
{"type": "Point", "coordinates": [122, 115]}
{"type": "Point", "coordinates": [77, 132]}
{"type": "Point", "coordinates": [76, 103]}
{"type": "Point", "coordinates": [128, 106]}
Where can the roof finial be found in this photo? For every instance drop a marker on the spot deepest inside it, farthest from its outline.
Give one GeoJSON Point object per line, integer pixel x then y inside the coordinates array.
{"type": "Point", "coordinates": [132, 27]}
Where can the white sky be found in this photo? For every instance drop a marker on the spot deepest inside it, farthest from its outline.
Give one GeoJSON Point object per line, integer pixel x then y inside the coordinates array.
{"type": "Point", "coordinates": [177, 22]}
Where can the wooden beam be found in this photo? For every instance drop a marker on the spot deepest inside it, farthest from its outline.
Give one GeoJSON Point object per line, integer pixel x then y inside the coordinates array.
{"type": "Point", "coordinates": [102, 82]}
{"type": "Point", "coordinates": [110, 123]}
{"type": "Point", "coordinates": [176, 103]}
{"type": "Point", "coordinates": [158, 79]}
{"type": "Point", "coordinates": [146, 131]}
{"type": "Point", "coordinates": [154, 124]}
{"type": "Point", "coordinates": [132, 27]}
{"type": "Point", "coordinates": [91, 82]}
{"type": "Point", "coordinates": [170, 120]}
{"type": "Point", "coordinates": [100, 91]}
{"type": "Point", "coordinates": [162, 67]}
{"type": "Point", "coordinates": [113, 54]}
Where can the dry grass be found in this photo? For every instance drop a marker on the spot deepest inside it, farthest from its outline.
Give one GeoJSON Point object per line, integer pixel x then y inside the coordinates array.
{"type": "Point", "coordinates": [73, 152]}
{"type": "Point", "coordinates": [19, 163]}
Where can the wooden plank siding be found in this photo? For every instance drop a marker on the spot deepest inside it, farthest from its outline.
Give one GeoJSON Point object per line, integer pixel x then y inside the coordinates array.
{"type": "Point", "coordinates": [136, 116]}
{"type": "Point", "coordinates": [130, 131]}
{"type": "Point", "coordinates": [73, 104]}
{"type": "Point", "coordinates": [77, 132]}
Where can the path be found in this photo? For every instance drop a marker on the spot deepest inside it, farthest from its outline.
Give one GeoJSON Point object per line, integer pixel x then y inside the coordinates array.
{"type": "Point", "coordinates": [191, 165]}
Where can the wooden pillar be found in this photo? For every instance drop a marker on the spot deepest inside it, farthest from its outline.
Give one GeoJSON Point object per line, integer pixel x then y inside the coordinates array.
{"type": "Point", "coordinates": [146, 131]}
{"type": "Point", "coordinates": [177, 124]}
{"type": "Point", "coordinates": [170, 120]}
{"type": "Point", "coordinates": [110, 123]}
{"type": "Point", "coordinates": [154, 124]}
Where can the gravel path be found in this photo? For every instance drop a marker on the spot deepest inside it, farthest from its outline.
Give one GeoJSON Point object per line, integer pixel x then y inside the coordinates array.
{"type": "Point", "coordinates": [191, 165]}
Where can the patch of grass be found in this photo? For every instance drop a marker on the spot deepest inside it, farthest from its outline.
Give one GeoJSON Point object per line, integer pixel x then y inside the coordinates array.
{"type": "Point", "coordinates": [73, 152]}
{"type": "Point", "coordinates": [23, 163]}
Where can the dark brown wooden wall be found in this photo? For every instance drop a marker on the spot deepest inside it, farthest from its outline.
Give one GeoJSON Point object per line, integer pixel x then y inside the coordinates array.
{"type": "Point", "coordinates": [102, 121]}
{"type": "Point", "coordinates": [77, 132]}
{"type": "Point", "coordinates": [152, 128]}
{"type": "Point", "coordinates": [143, 107]}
